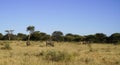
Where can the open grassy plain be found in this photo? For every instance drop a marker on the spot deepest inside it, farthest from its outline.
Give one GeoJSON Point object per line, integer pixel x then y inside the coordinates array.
{"type": "Point", "coordinates": [64, 53]}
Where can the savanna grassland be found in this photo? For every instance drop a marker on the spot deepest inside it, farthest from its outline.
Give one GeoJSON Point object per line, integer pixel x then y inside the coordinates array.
{"type": "Point", "coordinates": [63, 53]}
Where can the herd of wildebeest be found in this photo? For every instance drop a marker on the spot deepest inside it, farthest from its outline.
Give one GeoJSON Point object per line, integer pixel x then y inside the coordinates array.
{"type": "Point", "coordinates": [51, 43]}
{"type": "Point", "coordinates": [48, 43]}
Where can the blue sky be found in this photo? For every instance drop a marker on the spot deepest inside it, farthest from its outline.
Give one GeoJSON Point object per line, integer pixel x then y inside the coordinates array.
{"type": "Point", "coordinates": [81, 17]}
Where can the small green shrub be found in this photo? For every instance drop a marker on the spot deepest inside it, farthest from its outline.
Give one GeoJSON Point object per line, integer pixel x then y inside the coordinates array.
{"type": "Point", "coordinates": [7, 46]}
{"type": "Point", "coordinates": [56, 56]}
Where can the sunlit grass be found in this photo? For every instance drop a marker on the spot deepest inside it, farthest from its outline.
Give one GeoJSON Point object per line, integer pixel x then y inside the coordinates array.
{"type": "Point", "coordinates": [20, 54]}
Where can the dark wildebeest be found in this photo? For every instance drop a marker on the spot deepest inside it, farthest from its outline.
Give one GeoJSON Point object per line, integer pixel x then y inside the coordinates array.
{"type": "Point", "coordinates": [50, 43]}
{"type": "Point", "coordinates": [28, 43]}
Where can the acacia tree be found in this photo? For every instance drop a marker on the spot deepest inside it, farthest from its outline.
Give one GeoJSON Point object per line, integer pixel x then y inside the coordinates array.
{"type": "Point", "coordinates": [30, 29]}
{"type": "Point", "coordinates": [35, 36]}
{"type": "Point", "coordinates": [114, 38]}
{"type": "Point", "coordinates": [21, 36]}
{"type": "Point", "coordinates": [9, 32]}
{"type": "Point", "coordinates": [69, 37]}
{"type": "Point", "coordinates": [90, 38]}
{"type": "Point", "coordinates": [57, 36]}
{"type": "Point", "coordinates": [100, 37]}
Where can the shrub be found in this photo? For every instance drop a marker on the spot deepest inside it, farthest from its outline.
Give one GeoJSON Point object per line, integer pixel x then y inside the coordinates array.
{"type": "Point", "coordinates": [57, 56]}
{"type": "Point", "coordinates": [7, 46]}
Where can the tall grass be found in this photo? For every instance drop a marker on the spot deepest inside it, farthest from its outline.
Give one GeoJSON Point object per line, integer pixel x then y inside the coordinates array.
{"type": "Point", "coordinates": [64, 53]}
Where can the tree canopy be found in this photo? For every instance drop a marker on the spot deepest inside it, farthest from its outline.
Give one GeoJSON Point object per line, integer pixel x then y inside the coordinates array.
{"type": "Point", "coordinates": [59, 36]}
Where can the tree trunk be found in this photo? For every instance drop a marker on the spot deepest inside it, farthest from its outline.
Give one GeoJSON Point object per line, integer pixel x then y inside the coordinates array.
{"type": "Point", "coordinates": [29, 37]}
{"type": "Point", "coordinates": [28, 41]}
{"type": "Point", "coordinates": [8, 36]}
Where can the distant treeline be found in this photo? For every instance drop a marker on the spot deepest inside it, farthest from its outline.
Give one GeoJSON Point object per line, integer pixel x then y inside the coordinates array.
{"type": "Point", "coordinates": [59, 37]}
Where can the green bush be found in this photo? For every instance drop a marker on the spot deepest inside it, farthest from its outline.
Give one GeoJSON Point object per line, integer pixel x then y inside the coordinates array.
{"type": "Point", "coordinates": [57, 56]}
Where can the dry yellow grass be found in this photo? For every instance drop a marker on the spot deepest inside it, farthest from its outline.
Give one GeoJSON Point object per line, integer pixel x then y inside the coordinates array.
{"type": "Point", "coordinates": [101, 54]}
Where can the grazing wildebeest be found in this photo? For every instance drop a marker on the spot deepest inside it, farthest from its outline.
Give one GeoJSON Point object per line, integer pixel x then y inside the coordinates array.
{"type": "Point", "coordinates": [28, 43]}
{"type": "Point", "coordinates": [81, 42]}
{"type": "Point", "coordinates": [50, 43]}
{"type": "Point", "coordinates": [84, 42]}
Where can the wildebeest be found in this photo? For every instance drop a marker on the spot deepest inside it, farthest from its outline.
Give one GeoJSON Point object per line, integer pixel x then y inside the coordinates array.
{"type": "Point", "coordinates": [28, 43]}
{"type": "Point", "coordinates": [50, 43]}
{"type": "Point", "coordinates": [84, 42]}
